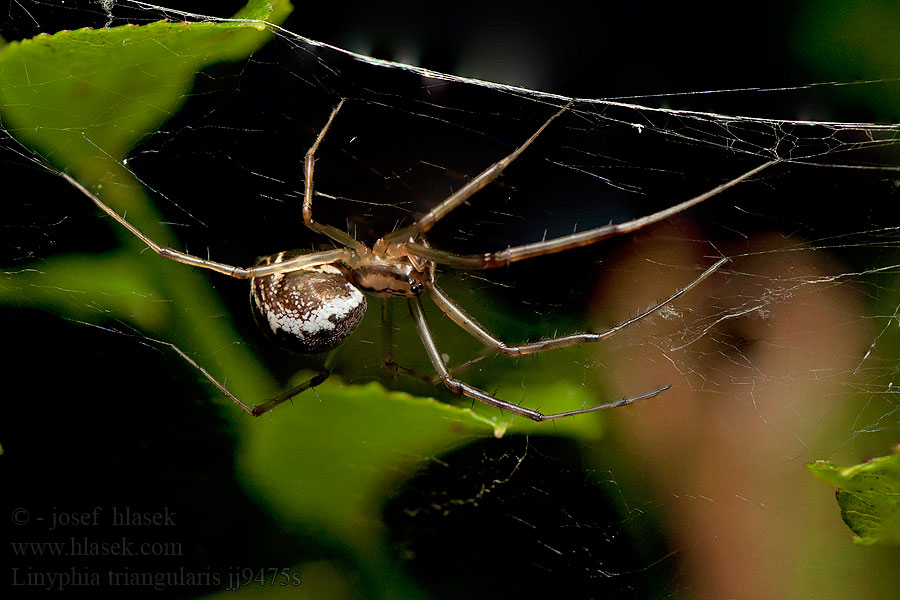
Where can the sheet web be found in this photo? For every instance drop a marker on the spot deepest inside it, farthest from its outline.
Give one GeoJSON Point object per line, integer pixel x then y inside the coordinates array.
{"type": "Point", "coordinates": [785, 355]}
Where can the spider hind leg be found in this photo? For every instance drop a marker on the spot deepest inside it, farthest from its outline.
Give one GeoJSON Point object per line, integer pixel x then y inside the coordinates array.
{"type": "Point", "coordinates": [458, 387]}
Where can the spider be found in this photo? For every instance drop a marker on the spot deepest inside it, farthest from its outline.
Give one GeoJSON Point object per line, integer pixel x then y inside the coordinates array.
{"type": "Point", "coordinates": [311, 301]}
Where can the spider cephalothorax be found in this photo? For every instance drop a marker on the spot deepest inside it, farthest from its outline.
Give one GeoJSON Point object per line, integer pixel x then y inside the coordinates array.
{"type": "Point", "coordinates": [385, 277]}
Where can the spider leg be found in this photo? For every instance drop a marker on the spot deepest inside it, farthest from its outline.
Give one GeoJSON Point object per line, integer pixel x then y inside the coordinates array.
{"type": "Point", "coordinates": [476, 330]}
{"type": "Point", "coordinates": [295, 264]}
{"type": "Point", "coordinates": [501, 258]}
{"type": "Point", "coordinates": [387, 345]}
{"type": "Point", "coordinates": [268, 405]}
{"type": "Point", "coordinates": [458, 387]}
{"type": "Point", "coordinates": [428, 221]}
{"type": "Point", "coordinates": [387, 339]}
{"type": "Point", "coordinates": [312, 382]}
{"type": "Point", "coordinates": [334, 233]}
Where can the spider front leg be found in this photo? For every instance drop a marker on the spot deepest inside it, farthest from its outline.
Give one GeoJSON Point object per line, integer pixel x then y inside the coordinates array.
{"type": "Point", "coordinates": [428, 220]}
{"type": "Point", "coordinates": [296, 263]}
{"type": "Point", "coordinates": [501, 258]}
{"type": "Point", "coordinates": [309, 165]}
{"type": "Point", "coordinates": [459, 387]}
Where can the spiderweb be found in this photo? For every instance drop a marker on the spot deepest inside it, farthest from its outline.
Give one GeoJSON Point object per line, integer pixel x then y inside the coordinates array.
{"type": "Point", "coordinates": [787, 354]}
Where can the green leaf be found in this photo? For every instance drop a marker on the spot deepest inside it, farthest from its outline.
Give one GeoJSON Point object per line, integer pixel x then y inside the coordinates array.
{"type": "Point", "coordinates": [92, 94]}
{"type": "Point", "coordinates": [868, 495]}
{"type": "Point", "coordinates": [330, 462]}
{"type": "Point", "coordinates": [82, 100]}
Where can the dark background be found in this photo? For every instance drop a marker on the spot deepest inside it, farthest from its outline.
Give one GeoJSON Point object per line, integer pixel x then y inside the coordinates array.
{"type": "Point", "coordinates": [94, 452]}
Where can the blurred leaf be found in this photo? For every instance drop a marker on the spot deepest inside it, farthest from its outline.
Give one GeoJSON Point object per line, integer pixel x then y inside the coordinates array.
{"type": "Point", "coordinates": [63, 285]}
{"type": "Point", "coordinates": [332, 472]}
{"type": "Point", "coordinates": [328, 464]}
{"type": "Point", "coordinates": [853, 41]}
{"type": "Point", "coordinates": [868, 495]}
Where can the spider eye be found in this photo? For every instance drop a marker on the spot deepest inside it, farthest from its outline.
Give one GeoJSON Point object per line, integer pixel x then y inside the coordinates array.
{"type": "Point", "coordinates": [307, 311]}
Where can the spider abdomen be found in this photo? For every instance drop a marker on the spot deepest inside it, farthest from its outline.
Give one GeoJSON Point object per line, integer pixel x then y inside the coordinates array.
{"type": "Point", "coordinates": [308, 311]}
